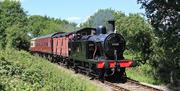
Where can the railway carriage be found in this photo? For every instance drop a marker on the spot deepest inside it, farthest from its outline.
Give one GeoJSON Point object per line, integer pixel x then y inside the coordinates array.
{"type": "Point", "coordinates": [42, 44]}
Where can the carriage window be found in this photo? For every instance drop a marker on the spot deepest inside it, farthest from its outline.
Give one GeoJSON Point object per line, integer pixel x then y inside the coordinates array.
{"type": "Point", "coordinates": [32, 43]}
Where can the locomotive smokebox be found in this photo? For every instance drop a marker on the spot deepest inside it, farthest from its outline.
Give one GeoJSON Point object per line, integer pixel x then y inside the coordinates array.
{"type": "Point", "coordinates": [111, 26]}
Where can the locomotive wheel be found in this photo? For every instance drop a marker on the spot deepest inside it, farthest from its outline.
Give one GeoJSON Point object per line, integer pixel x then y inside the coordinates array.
{"type": "Point", "coordinates": [75, 67]}
{"type": "Point", "coordinates": [123, 77]}
{"type": "Point", "coordinates": [101, 75]}
{"type": "Point", "coordinates": [88, 72]}
{"type": "Point", "coordinates": [76, 70]}
{"type": "Point", "coordinates": [67, 64]}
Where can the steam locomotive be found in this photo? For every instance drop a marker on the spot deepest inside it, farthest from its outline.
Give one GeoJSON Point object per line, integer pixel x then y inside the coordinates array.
{"type": "Point", "coordinates": [95, 51]}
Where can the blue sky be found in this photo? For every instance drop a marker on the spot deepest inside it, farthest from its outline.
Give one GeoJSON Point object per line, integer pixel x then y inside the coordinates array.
{"type": "Point", "coordinates": [77, 10]}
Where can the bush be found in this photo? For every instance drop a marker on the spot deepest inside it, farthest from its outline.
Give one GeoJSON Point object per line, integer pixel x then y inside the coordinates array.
{"type": "Point", "coordinates": [21, 71]}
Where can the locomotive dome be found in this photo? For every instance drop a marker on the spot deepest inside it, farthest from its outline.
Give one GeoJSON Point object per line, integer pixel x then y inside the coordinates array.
{"type": "Point", "coordinates": [101, 30]}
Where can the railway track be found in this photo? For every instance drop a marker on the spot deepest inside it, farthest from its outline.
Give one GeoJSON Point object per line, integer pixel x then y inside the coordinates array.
{"type": "Point", "coordinates": [115, 87]}
{"type": "Point", "coordinates": [130, 85]}
{"type": "Point", "coordinates": [141, 86]}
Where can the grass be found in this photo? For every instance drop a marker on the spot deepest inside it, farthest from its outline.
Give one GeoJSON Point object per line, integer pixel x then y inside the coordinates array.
{"type": "Point", "coordinates": [21, 71]}
{"type": "Point", "coordinates": [140, 73]}
{"type": "Point", "coordinates": [127, 55]}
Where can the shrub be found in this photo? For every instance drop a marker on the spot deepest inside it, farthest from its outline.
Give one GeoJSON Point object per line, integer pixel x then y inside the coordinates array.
{"type": "Point", "coordinates": [21, 71]}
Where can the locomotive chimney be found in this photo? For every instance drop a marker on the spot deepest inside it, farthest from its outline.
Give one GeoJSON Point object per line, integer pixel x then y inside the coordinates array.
{"type": "Point", "coordinates": [111, 25]}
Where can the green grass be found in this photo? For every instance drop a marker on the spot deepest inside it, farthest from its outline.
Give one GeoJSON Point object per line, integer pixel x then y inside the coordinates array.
{"type": "Point", "coordinates": [128, 55]}
{"type": "Point", "coordinates": [142, 73]}
{"type": "Point", "coordinates": [21, 71]}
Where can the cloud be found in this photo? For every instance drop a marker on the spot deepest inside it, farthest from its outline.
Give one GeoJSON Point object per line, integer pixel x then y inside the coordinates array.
{"type": "Point", "coordinates": [73, 19]}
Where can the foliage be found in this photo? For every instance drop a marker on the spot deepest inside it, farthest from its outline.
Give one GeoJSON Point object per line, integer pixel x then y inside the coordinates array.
{"type": "Point", "coordinates": [11, 15]}
{"type": "Point", "coordinates": [137, 32]}
{"type": "Point", "coordinates": [165, 18]}
{"type": "Point", "coordinates": [21, 71]}
{"type": "Point", "coordinates": [16, 37]}
{"type": "Point", "coordinates": [43, 25]}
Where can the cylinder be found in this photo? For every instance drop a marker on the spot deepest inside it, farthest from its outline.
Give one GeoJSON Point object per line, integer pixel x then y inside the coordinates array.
{"type": "Point", "coordinates": [111, 26]}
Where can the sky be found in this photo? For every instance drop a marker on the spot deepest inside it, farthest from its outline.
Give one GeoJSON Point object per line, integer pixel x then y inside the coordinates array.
{"type": "Point", "coordinates": [77, 10]}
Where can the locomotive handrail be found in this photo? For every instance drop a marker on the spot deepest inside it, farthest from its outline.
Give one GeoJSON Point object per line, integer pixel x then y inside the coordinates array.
{"type": "Point", "coordinates": [94, 51]}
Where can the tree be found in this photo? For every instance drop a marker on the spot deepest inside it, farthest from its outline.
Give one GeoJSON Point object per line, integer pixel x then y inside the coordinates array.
{"type": "Point", "coordinates": [17, 38]}
{"type": "Point", "coordinates": [137, 32]}
{"type": "Point", "coordinates": [12, 14]}
{"type": "Point", "coordinates": [43, 25]}
{"type": "Point", "coordinates": [165, 18]}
